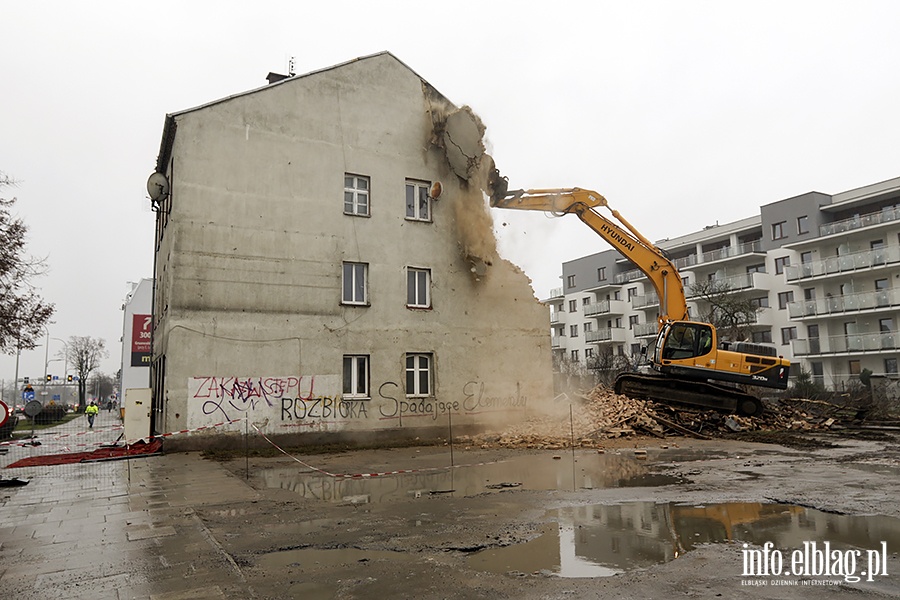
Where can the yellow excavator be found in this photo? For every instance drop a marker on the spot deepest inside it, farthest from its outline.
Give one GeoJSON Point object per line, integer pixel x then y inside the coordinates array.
{"type": "Point", "coordinates": [689, 364]}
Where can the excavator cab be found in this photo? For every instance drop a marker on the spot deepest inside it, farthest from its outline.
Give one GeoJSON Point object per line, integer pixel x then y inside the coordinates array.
{"type": "Point", "coordinates": [682, 340]}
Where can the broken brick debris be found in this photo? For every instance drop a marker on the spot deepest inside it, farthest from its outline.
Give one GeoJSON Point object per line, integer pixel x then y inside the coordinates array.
{"type": "Point", "coordinates": [601, 414]}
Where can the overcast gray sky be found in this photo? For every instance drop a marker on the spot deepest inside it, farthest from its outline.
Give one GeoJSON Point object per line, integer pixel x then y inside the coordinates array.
{"type": "Point", "coordinates": [682, 113]}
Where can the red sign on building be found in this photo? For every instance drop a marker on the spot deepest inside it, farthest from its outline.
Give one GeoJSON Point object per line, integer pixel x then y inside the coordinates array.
{"type": "Point", "coordinates": [141, 351]}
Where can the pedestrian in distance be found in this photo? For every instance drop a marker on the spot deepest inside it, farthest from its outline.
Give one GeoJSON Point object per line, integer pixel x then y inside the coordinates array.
{"type": "Point", "coordinates": [91, 411]}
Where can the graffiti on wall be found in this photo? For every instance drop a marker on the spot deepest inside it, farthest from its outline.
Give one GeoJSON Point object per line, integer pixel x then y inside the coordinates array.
{"type": "Point", "coordinates": [315, 403]}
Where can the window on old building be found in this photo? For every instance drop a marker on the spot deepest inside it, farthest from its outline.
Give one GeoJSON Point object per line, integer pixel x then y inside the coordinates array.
{"type": "Point", "coordinates": [356, 376]}
{"type": "Point", "coordinates": [418, 202]}
{"type": "Point", "coordinates": [419, 375]}
{"type": "Point", "coordinates": [418, 287]}
{"type": "Point", "coordinates": [354, 283]}
{"type": "Point", "coordinates": [356, 195]}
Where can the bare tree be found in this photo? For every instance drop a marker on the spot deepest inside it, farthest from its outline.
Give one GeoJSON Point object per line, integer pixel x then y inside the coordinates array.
{"type": "Point", "coordinates": [23, 313]}
{"type": "Point", "coordinates": [85, 354]}
{"type": "Point", "coordinates": [606, 365]}
{"type": "Point", "coordinates": [729, 313]}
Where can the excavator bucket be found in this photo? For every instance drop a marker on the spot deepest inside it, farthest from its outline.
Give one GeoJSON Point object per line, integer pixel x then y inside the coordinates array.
{"type": "Point", "coordinates": [497, 186]}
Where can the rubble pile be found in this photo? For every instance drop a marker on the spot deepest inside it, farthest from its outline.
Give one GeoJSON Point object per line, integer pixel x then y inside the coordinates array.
{"type": "Point", "coordinates": [600, 414]}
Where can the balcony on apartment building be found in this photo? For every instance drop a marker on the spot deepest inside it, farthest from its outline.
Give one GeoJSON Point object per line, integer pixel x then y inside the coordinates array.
{"type": "Point", "coordinates": [686, 262]}
{"type": "Point", "coordinates": [645, 329]}
{"type": "Point", "coordinates": [885, 215]}
{"type": "Point", "coordinates": [557, 342]}
{"type": "Point", "coordinates": [555, 319]}
{"type": "Point", "coordinates": [732, 283]}
{"type": "Point", "coordinates": [844, 263]}
{"type": "Point", "coordinates": [605, 307]}
{"type": "Point", "coordinates": [605, 334]}
{"type": "Point", "coordinates": [848, 303]}
{"type": "Point", "coordinates": [719, 254]}
{"type": "Point", "coordinates": [855, 343]}
{"type": "Point", "coordinates": [645, 301]}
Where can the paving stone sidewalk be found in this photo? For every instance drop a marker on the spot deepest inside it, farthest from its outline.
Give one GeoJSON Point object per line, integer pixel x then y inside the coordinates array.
{"type": "Point", "coordinates": [118, 530]}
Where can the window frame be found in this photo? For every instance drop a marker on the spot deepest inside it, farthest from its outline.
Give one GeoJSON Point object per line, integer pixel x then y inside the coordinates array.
{"type": "Point", "coordinates": [788, 334]}
{"type": "Point", "coordinates": [358, 192]}
{"type": "Point", "coordinates": [416, 271]}
{"type": "Point", "coordinates": [785, 298]}
{"type": "Point", "coordinates": [359, 390]}
{"type": "Point", "coordinates": [416, 371]}
{"type": "Point", "coordinates": [778, 230]}
{"type": "Point", "coordinates": [420, 193]}
{"type": "Point", "coordinates": [782, 262]}
{"type": "Point", "coordinates": [353, 301]}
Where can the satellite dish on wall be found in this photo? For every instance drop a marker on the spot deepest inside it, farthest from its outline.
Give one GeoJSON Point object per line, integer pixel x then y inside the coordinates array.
{"type": "Point", "coordinates": [157, 186]}
{"type": "Point", "coordinates": [436, 190]}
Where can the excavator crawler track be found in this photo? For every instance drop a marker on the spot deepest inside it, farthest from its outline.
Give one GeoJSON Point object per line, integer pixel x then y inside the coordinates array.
{"type": "Point", "coordinates": [671, 390]}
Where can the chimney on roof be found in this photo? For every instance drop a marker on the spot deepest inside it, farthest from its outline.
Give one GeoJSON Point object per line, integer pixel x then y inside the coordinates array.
{"type": "Point", "coordinates": [275, 77]}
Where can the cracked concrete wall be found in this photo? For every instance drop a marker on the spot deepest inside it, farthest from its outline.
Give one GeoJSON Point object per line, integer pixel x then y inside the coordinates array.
{"type": "Point", "coordinates": [250, 266]}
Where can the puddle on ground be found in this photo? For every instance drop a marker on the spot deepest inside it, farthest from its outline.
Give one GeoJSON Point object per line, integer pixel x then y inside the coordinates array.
{"type": "Point", "coordinates": [602, 540]}
{"type": "Point", "coordinates": [532, 472]}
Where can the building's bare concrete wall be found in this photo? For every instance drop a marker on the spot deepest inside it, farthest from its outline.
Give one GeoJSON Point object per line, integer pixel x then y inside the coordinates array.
{"type": "Point", "coordinates": [250, 267]}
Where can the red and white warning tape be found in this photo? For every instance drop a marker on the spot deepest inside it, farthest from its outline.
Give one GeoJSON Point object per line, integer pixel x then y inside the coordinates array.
{"type": "Point", "coordinates": [364, 475]}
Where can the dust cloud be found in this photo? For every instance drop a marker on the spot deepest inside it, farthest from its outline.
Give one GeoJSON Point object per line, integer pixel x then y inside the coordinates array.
{"type": "Point", "coordinates": [459, 132]}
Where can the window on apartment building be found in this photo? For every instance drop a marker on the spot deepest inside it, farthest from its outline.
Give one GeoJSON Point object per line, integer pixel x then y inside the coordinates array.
{"type": "Point", "coordinates": [617, 295]}
{"type": "Point", "coordinates": [881, 292]}
{"type": "Point", "coordinates": [890, 366]}
{"type": "Point", "coordinates": [784, 298]}
{"type": "Point", "coordinates": [601, 273]}
{"type": "Point", "coordinates": [803, 224]}
{"type": "Point", "coordinates": [635, 350]}
{"type": "Point", "coordinates": [356, 376]}
{"type": "Point", "coordinates": [788, 334]}
{"type": "Point", "coordinates": [877, 247]}
{"type": "Point", "coordinates": [418, 288]}
{"type": "Point", "coordinates": [760, 268]}
{"type": "Point", "coordinates": [778, 231]}
{"type": "Point", "coordinates": [573, 305]}
{"type": "Point", "coordinates": [620, 350]}
{"type": "Point", "coordinates": [570, 281]}
{"type": "Point", "coordinates": [806, 257]}
{"type": "Point", "coordinates": [574, 355]}
{"type": "Point", "coordinates": [586, 301]}
{"type": "Point", "coordinates": [418, 202]}
{"type": "Point", "coordinates": [418, 375]}
{"type": "Point", "coordinates": [588, 353]}
{"type": "Point", "coordinates": [632, 321]}
{"type": "Point", "coordinates": [761, 337]}
{"type": "Point", "coordinates": [760, 302]}
{"type": "Point", "coordinates": [854, 367]}
{"type": "Point", "coordinates": [780, 263]}
{"type": "Point", "coordinates": [588, 327]}
{"type": "Point", "coordinates": [686, 282]}
{"type": "Point", "coordinates": [809, 293]}
{"type": "Point", "coordinates": [573, 331]}
{"type": "Point", "coordinates": [618, 323]}
{"type": "Point", "coordinates": [356, 195]}
{"type": "Point", "coordinates": [354, 283]}
{"type": "Point", "coordinates": [632, 292]}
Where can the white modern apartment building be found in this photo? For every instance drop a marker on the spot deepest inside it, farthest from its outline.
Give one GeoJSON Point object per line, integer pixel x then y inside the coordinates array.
{"type": "Point", "coordinates": [823, 269]}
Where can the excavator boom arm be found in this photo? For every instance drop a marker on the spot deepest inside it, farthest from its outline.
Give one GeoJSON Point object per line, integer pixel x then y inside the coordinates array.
{"type": "Point", "coordinates": [622, 236]}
